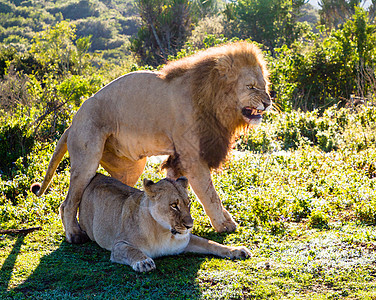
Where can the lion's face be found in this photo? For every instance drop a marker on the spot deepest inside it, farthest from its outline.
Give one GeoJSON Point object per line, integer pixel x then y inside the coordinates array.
{"type": "Point", "coordinates": [170, 205]}
{"type": "Point", "coordinates": [253, 95]}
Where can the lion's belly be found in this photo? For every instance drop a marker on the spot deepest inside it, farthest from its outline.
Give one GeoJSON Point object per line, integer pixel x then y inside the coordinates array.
{"type": "Point", "coordinates": [166, 246]}
{"type": "Point", "coordinates": [136, 146]}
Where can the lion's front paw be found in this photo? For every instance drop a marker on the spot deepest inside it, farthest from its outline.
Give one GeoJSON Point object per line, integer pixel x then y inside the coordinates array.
{"type": "Point", "coordinates": [224, 224]}
{"type": "Point", "coordinates": [240, 253]}
{"type": "Point", "coordinates": [145, 265]}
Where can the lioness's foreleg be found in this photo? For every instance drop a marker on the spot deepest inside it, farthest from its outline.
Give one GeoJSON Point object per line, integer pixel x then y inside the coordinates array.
{"type": "Point", "coordinates": [200, 180]}
{"type": "Point", "coordinates": [204, 246]}
{"type": "Point", "coordinates": [124, 253]}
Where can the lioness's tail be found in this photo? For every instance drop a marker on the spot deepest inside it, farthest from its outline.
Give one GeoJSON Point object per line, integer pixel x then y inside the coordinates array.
{"type": "Point", "coordinates": [61, 148]}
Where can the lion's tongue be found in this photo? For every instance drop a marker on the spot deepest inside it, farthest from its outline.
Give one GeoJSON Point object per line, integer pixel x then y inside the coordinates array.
{"type": "Point", "coordinates": [251, 113]}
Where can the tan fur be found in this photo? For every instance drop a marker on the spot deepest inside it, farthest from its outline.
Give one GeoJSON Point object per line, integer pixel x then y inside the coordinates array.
{"type": "Point", "coordinates": [189, 110]}
{"type": "Point", "coordinates": [138, 226]}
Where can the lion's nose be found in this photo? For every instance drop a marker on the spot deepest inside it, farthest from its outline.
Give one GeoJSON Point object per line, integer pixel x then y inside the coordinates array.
{"type": "Point", "coordinates": [266, 105]}
{"type": "Point", "coordinates": [271, 97]}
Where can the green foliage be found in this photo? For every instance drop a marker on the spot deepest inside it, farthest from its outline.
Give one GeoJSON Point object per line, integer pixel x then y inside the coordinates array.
{"type": "Point", "coordinates": [165, 27]}
{"type": "Point", "coordinates": [272, 22]}
{"type": "Point", "coordinates": [319, 220]}
{"type": "Point", "coordinates": [54, 48]}
{"type": "Point", "coordinates": [335, 129]}
{"type": "Point", "coordinates": [7, 54]}
{"type": "Point", "coordinates": [16, 143]}
{"type": "Point", "coordinates": [333, 13]}
{"type": "Point", "coordinates": [17, 205]}
{"type": "Point", "coordinates": [77, 10]}
{"type": "Point", "coordinates": [105, 21]}
{"type": "Point", "coordinates": [315, 76]}
{"type": "Point", "coordinates": [77, 88]}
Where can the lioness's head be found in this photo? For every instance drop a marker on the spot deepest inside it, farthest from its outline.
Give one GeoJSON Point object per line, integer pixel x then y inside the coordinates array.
{"type": "Point", "coordinates": [170, 204]}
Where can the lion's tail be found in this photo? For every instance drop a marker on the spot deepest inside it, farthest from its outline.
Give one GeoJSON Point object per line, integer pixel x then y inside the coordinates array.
{"type": "Point", "coordinates": [61, 148]}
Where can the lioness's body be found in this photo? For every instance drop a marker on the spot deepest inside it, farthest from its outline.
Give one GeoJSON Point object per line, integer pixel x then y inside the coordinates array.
{"type": "Point", "coordinates": [189, 110]}
{"type": "Point", "coordinates": [137, 226]}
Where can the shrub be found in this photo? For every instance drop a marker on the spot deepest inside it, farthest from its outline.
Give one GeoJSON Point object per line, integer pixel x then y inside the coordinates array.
{"type": "Point", "coordinates": [16, 143]}
{"type": "Point", "coordinates": [319, 72]}
{"type": "Point", "coordinates": [318, 219]}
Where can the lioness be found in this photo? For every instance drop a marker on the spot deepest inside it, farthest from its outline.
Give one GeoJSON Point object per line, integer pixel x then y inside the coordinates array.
{"type": "Point", "coordinates": [189, 110]}
{"type": "Point", "coordinates": [138, 226]}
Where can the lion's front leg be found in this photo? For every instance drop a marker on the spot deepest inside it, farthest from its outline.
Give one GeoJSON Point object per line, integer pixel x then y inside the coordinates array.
{"type": "Point", "coordinates": [200, 179]}
{"type": "Point", "coordinates": [124, 253]}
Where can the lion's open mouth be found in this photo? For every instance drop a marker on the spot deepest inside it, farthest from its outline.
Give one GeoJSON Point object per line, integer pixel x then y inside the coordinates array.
{"type": "Point", "coordinates": [250, 113]}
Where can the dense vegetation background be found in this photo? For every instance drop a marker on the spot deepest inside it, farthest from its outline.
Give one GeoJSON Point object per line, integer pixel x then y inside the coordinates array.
{"type": "Point", "coordinates": [302, 186]}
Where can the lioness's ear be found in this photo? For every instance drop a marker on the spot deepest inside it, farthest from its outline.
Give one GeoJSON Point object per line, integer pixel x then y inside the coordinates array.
{"type": "Point", "coordinates": [183, 182]}
{"type": "Point", "coordinates": [225, 66]}
{"type": "Point", "coordinates": [148, 186]}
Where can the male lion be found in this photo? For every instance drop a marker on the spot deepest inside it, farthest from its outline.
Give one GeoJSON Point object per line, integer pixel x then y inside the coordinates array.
{"type": "Point", "coordinates": [190, 110]}
{"type": "Point", "coordinates": [138, 226]}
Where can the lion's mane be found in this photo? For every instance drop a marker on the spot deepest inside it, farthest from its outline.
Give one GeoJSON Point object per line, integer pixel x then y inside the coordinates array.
{"type": "Point", "coordinates": [213, 74]}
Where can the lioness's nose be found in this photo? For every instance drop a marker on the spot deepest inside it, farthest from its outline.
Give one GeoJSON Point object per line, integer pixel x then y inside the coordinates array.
{"type": "Point", "coordinates": [188, 223]}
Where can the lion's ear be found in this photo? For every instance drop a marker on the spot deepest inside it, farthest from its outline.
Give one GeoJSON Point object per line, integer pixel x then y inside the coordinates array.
{"type": "Point", "coordinates": [183, 182]}
{"type": "Point", "coordinates": [225, 67]}
{"type": "Point", "coordinates": [149, 187]}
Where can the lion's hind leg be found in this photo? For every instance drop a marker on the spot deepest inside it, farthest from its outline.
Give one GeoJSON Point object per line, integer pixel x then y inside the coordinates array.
{"type": "Point", "coordinates": [85, 153]}
{"type": "Point", "coordinates": [124, 253]}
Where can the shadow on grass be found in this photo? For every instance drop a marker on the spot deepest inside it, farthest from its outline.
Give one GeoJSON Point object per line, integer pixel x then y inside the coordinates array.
{"type": "Point", "coordinates": [8, 266]}
{"type": "Point", "coordinates": [85, 271]}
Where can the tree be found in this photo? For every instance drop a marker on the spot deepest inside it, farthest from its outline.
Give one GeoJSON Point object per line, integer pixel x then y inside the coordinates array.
{"type": "Point", "coordinates": [54, 47]}
{"type": "Point", "coordinates": [336, 12]}
{"type": "Point", "coordinates": [271, 22]}
{"type": "Point", "coordinates": [331, 67]}
{"type": "Point", "coordinates": [56, 50]}
{"type": "Point", "coordinates": [165, 27]}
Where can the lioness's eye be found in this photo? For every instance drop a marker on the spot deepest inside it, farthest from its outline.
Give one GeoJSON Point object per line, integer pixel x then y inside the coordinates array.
{"type": "Point", "coordinates": [250, 87]}
{"type": "Point", "coordinates": [174, 205]}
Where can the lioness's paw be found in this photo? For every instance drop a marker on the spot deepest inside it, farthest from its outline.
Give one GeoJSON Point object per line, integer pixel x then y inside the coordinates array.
{"type": "Point", "coordinates": [145, 265]}
{"type": "Point", "coordinates": [240, 253]}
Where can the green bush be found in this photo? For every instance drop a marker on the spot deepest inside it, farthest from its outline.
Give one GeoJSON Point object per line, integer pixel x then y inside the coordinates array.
{"type": "Point", "coordinates": [318, 219]}
{"type": "Point", "coordinates": [16, 142]}
{"type": "Point", "coordinates": [326, 69]}
{"type": "Point", "coordinates": [78, 88]}
{"type": "Point", "coordinates": [333, 129]}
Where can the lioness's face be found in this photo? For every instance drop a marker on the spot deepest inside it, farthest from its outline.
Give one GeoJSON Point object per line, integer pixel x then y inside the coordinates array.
{"type": "Point", "coordinates": [171, 205]}
{"type": "Point", "coordinates": [253, 95]}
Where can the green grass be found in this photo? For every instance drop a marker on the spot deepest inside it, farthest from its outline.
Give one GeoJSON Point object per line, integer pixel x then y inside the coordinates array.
{"type": "Point", "coordinates": [302, 264]}
{"type": "Point", "coordinates": [306, 212]}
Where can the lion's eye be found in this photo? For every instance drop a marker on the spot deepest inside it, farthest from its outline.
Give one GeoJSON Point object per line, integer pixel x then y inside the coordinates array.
{"type": "Point", "coordinates": [174, 206]}
{"type": "Point", "coordinates": [250, 87]}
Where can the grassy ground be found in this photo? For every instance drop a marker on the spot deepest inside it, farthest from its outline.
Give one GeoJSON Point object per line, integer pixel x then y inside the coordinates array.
{"type": "Point", "coordinates": [306, 213]}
